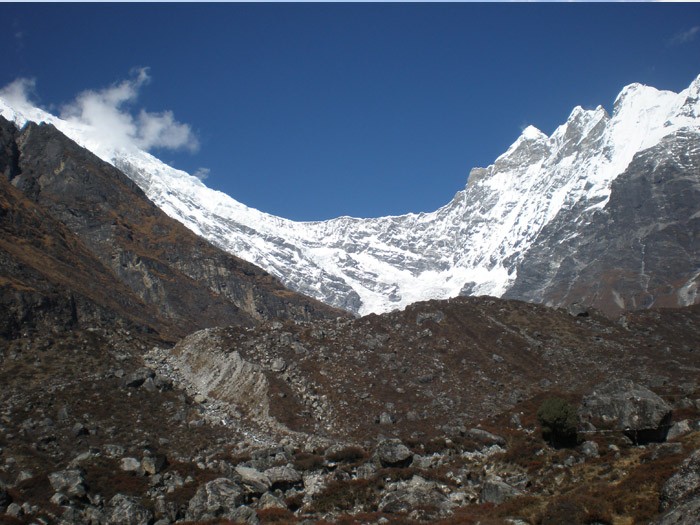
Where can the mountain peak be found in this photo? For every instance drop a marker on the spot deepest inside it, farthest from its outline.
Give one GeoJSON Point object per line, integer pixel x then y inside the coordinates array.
{"type": "Point", "coordinates": [532, 133]}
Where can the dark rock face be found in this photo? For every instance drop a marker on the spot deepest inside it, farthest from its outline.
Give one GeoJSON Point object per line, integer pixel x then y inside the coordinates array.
{"type": "Point", "coordinates": [103, 228]}
{"type": "Point", "coordinates": [623, 405]}
{"type": "Point", "coordinates": [640, 250]}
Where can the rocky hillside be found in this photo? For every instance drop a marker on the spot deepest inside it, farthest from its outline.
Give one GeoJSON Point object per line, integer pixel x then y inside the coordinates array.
{"type": "Point", "coordinates": [77, 230]}
{"type": "Point", "coordinates": [422, 416]}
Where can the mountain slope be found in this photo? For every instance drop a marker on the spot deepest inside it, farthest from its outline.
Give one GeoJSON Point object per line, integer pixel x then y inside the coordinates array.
{"type": "Point", "coordinates": [486, 240]}
{"type": "Point", "coordinates": [75, 226]}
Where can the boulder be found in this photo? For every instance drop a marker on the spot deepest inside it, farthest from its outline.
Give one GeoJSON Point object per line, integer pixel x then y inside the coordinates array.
{"type": "Point", "coordinates": [268, 501]}
{"type": "Point", "coordinates": [68, 482]}
{"type": "Point", "coordinates": [154, 463]}
{"type": "Point", "coordinates": [415, 493]}
{"type": "Point", "coordinates": [253, 480]}
{"type": "Point", "coordinates": [590, 449]}
{"type": "Point", "coordinates": [496, 491]}
{"type": "Point", "coordinates": [485, 437]}
{"type": "Point", "coordinates": [283, 477]}
{"type": "Point", "coordinates": [244, 516]}
{"type": "Point", "coordinates": [127, 510]}
{"type": "Point", "coordinates": [138, 377]}
{"type": "Point", "coordinates": [130, 465]}
{"type": "Point", "coordinates": [685, 514]}
{"type": "Point", "coordinates": [393, 453]}
{"type": "Point", "coordinates": [628, 407]}
{"type": "Point", "coordinates": [684, 484]}
{"type": "Point", "coordinates": [678, 429]}
{"type": "Point", "coordinates": [215, 499]}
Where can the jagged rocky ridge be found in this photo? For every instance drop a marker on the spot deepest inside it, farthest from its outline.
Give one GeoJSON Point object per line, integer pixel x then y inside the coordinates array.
{"type": "Point", "coordinates": [78, 233]}
{"type": "Point", "coordinates": [534, 225]}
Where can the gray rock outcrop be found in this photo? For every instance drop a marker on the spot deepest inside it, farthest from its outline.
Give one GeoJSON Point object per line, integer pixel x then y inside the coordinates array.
{"type": "Point", "coordinates": [216, 499]}
{"type": "Point", "coordinates": [393, 453]}
{"type": "Point", "coordinates": [628, 407]}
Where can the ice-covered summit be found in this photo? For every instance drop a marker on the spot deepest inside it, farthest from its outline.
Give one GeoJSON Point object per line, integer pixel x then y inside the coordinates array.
{"type": "Point", "coordinates": [475, 244]}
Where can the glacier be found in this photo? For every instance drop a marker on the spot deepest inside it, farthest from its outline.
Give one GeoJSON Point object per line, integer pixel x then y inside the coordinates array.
{"type": "Point", "coordinates": [472, 245]}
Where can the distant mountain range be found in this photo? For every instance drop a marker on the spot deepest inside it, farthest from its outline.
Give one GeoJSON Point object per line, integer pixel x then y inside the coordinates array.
{"type": "Point", "coordinates": [605, 212]}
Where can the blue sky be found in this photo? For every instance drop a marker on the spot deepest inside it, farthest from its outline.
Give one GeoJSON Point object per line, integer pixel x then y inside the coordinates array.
{"type": "Point", "coordinates": [312, 111]}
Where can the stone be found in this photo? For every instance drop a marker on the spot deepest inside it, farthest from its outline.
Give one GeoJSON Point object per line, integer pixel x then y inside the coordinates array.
{"type": "Point", "coordinates": [163, 383]}
{"type": "Point", "coordinates": [113, 451]}
{"type": "Point", "coordinates": [682, 485]}
{"type": "Point", "coordinates": [149, 385]}
{"type": "Point", "coordinates": [14, 510]}
{"type": "Point", "coordinates": [590, 449]}
{"type": "Point", "coordinates": [59, 499]}
{"type": "Point", "coordinates": [127, 510]}
{"type": "Point", "coordinates": [154, 463]}
{"type": "Point", "coordinates": [79, 430]}
{"type": "Point", "coordinates": [130, 465]}
{"type": "Point", "coordinates": [385, 418]}
{"type": "Point", "coordinates": [393, 453]}
{"type": "Point", "coordinates": [69, 482]}
{"type": "Point", "coordinates": [254, 481]}
{"type": "Point", "coordinates": [496, 491]}
{"type": "Point", "coordinates": [680, 428]}
{"type": "Point", "coordinates": [278, 365]}
{"type": "Point", "coordinates": [684, 514]}
{"type": "Point", "coordinates": [412, 494]}
{"type": "Point", "coordinates": [577, 310]}
{"type": "Point", "coordinates": [215, 499]}
{"type": "Point", "coordinates": [485, 437]}
{"type": "Point", "coordinates": [244, 515]}
{"type": "Point", "coordinates": [137, 377]}
{"type": "Point", "coordinates": [623, 405]}
{"type": "Point", "coordinates": [666, 449]}
{"type": "Point", "coordinates": [268, 501]}
{"type": "Point", "coordinates": [283, 477]}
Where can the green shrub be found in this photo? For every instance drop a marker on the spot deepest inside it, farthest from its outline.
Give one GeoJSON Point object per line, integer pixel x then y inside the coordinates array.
{"type": "Point", "coordinates": [558, 420]}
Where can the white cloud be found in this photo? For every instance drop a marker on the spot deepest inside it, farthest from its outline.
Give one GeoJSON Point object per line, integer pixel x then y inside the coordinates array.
{"type": "Point", "coordinates": [683, 37]}
{"type": "Point", "coordinates": [108, 113]}
{"type": "Point", "coordinates": [19, 92]}
{"type": "Point", "coordinates": [202, 173]}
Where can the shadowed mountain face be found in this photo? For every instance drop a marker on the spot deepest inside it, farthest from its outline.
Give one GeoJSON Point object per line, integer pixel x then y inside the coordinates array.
{"type": "Point", "coordinates": [641, 250]}
{"type": "Point", "coordinates": [77, 227]}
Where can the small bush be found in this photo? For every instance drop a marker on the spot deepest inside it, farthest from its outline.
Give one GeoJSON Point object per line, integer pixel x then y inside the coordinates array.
{"type": "Point", "coordinates": [577, 510]}
{"type": "Point", "coordinates": [558, 420]}
{"type": "Point", "coordinates": [306, 461]}
{"type": "Point", "coordinates": [275, 516]}
{"type": "Point", "coordinates": [346, 495]}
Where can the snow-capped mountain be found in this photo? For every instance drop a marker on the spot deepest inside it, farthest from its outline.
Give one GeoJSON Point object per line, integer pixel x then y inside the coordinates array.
{"type": "Point", "coordinates": [507, 233]}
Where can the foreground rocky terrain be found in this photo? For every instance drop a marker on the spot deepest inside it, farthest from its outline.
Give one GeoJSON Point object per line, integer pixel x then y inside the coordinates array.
{"type": "Point", "coordinates": [426, 415]}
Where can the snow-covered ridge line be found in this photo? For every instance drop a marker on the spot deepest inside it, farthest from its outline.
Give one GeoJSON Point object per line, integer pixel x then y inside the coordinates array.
{"type": "Point", "coordinates": [472, 245]}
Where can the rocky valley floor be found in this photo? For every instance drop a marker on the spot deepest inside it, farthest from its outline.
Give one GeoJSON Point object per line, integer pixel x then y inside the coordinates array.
{"type": "Point", "coordinates": [424, 415]}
